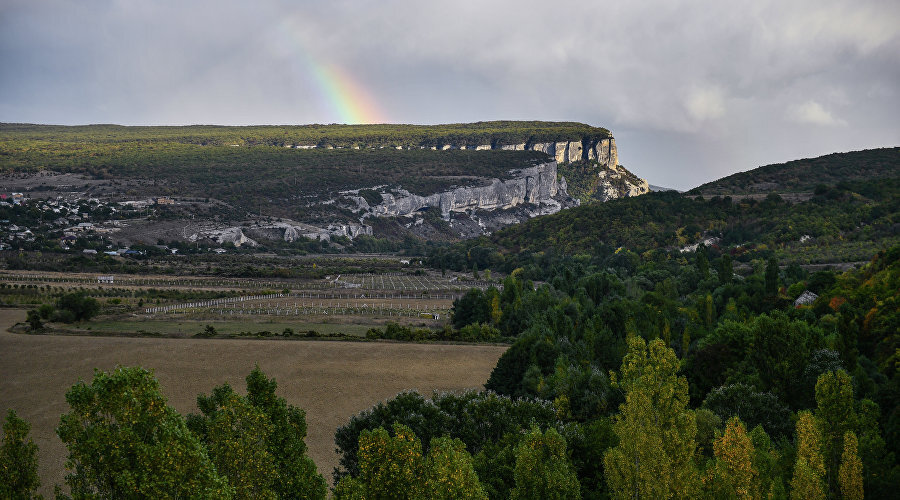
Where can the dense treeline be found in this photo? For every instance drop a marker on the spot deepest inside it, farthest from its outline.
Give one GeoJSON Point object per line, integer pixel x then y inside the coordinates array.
{"type": "Point", "coordinates": [388, 135]}
{"type": "Point", "coordinates": [724, 387]}
{"type": "Point", "coordinates": [839, 223]}
{"type": "Point", "coordinates": [805, 174]}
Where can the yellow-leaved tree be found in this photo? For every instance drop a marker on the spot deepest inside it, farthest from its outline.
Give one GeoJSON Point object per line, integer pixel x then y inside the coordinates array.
{"type": "Point", "coordinates": [809, 469]}
{"type": "Point", "coordinates": [850, 474]}
{"type": "Point", "coordinates": [733, 475]}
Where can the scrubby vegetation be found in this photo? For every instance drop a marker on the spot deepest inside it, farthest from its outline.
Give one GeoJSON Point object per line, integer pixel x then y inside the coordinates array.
{"type": "Point", "coordinates": [806, 174]}
{"type": "Point", "coordinates": [387, 135]}
{"type": "Point", "coordinates": [212, 162]}
{"type": "Point", "coordinates": [839, 223]}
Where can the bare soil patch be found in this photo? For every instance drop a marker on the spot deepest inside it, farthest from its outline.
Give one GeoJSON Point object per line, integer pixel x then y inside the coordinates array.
{"type": "Point", "coordinates": [330, 380]}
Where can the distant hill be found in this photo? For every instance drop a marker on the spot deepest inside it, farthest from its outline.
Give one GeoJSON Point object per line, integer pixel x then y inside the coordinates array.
{"type": "Point", "coordinates": [806, 174]}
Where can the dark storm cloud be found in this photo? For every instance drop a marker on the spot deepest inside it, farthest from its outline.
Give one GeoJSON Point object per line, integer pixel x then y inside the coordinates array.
{"type": "Point", "coordinates": [693, 90]}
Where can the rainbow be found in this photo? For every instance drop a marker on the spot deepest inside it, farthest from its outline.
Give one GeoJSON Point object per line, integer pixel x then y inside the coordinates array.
{"type": "Point", "coordinates": [345, 98]}
{"type": "Point", "coordinates": [348, 99]}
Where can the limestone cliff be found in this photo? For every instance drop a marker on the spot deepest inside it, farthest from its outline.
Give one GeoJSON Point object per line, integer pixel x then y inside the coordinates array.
{"type": "Point", "coordinates": [601, 150]}
{"type": "Point", "coordinates": [533, 185]}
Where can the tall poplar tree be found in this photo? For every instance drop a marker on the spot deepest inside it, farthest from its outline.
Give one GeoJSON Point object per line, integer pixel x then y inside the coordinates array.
{"type": "Point", "coordinates": [809, 469]}
{"type": "Point", "coordinates": [836, 414]}
{"type": "Point", "coordinates": [850, 475]}
{"type": "Point", "coordinates": [656, 430]}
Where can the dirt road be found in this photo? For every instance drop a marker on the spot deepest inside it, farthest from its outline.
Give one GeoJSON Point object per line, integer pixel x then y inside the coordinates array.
{"type": "Point", "coordinates": [330, 380]}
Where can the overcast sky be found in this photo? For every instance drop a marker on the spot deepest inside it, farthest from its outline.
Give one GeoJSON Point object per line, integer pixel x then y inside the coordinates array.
{"type": "Point", "coordinates": [692, 90]}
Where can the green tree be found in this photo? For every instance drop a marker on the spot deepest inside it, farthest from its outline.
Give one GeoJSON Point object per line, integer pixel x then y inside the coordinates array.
{"type": "Point", "coordinates": [772, 277]}
{"type": "Point", "coordinates": [18, 460]}
{"type": "Point", "coordinates": [850, 475]}
{"type": "Point", "coordinates": [543, 469]}
{"type": "Point", "coordinates": [124, 441]}
{"type": "Point", "coordinates": [391, 467]}
{"type": "Point", "coordinates": [809, 469]}
{"type": "Point", "coordinates": [449, 472]}
{"type": "Point", "coordinates": [654, 457]}
{"type": "Point", "coordinates": [76, 306]}
{"type": "Point", "coordinates": [836, 415]}
{"type": "Point", "coordinates": [394, 467]}
{"type": "Point", "coordinates": [702, 262]}
{"type": "Point", "coordinates": [236, 440]}
{"type": "Point", "coordinates": [272, 437]}
{"type": "Point", "coordinates": [766, 462]}
{"type": "Point", "coordinates": [726, 270]}
{"type": "Point", "coordinates": [33, 318]}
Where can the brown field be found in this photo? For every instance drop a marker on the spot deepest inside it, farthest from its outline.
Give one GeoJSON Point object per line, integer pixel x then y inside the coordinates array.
{"type": "Point", "coordinates": [330, 380]}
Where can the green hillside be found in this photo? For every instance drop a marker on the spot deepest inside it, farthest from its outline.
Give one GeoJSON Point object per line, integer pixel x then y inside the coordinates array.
{"type": "Point", "coordinates": [838, 224]}
{"type": "Point", "coordinates": [806, 174]}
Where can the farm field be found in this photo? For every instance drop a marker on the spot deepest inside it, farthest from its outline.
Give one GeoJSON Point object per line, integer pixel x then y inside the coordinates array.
{"type": "Point", "coordinates": [330, 380]}
{"type": "Point", "coordinates": [182, 305]}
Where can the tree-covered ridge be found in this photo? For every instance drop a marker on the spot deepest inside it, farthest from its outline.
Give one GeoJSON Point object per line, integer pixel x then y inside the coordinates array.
{"type": "Point", "coordinates": [806, 174]}
{"type": "Point", "coordinates": [841, 223]}
{"type": "Point", "coordinates": [493, 133]}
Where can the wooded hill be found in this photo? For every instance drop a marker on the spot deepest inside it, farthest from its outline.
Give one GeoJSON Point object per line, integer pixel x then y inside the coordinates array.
{"type": "Point", "coordinates": [806, 174]}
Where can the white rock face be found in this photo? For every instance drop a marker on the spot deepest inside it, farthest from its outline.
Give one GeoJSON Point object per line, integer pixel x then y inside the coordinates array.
{"type": "Point", "coordinates": [231, 235]}
{"type": "Point", "coordinates": [482, 147]}
{"type": "Point", "coordinates": [534, 185]}
{"type": "Point", "coordinates": [513, 147]}
{"type": "Point", "coordinates": [548, 148]}
{"type": "Point", "coordinates": [611, 153]}
{"type": "Point", "coordinates": [574, 151]}
{"type": "Point", "coordinates": [559, 151]}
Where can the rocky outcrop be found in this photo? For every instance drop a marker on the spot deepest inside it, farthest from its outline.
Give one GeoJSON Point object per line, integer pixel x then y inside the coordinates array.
{"type": "Point", "coordinates": [603, 150]}
{"type": "Point", "coordinates": [619, 183]}
{"type": "Point", "coordinates": [234, 235]}
{"type": "Point", "coordinates": [532, 185]}
{"type": "Point", "coordinates": [288, 231]}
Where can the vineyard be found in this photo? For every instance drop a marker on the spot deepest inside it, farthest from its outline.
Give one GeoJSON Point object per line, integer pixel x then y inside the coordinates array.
{"type": "Point", "coordinates": [179, 306]}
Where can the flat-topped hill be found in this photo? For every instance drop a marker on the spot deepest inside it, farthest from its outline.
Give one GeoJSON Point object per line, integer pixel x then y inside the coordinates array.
{"type": "Point", "coordinates": [457, 135]}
